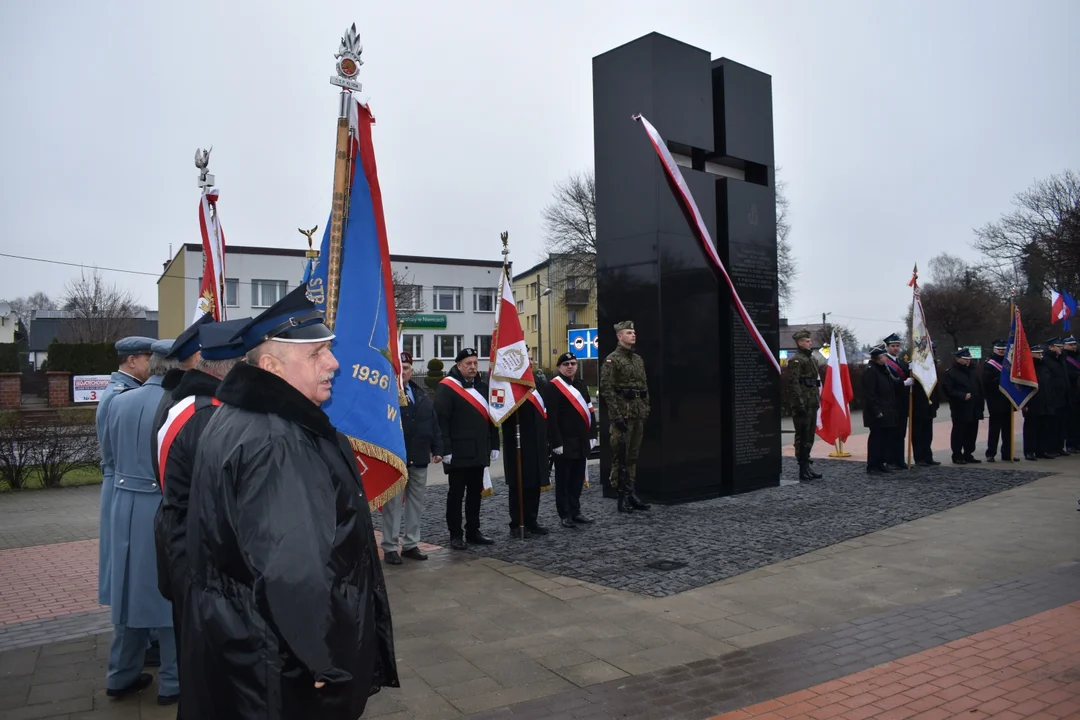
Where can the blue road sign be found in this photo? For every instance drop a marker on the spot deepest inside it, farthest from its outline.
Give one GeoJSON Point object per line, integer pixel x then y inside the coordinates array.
{"type": "Point", "coordinates": [584, 343]}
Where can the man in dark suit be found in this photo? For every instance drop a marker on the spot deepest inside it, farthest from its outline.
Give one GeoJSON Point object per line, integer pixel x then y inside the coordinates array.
{"type": "Point", "coordinates": [572, 433]}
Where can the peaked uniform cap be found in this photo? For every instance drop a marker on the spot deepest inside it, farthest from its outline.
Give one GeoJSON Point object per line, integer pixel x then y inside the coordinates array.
{"type": "Point", "coordinates": [1053, 341]}
{"type": "Point", "coordinates": [1069, 340]}
{"type": "Point", "coordinates": [876, 352]}
{"type": "Point", "coordinates": [187, 342]}
{"type": "Point", "coordinates": [1000, 344]}
{"type": "Point", "coordinates": [134, 345]}
{"type": "Point", "coordinates": [962, 353]}
{"type": "Point", "coordinates": [292, 319]}
{"type": "Point", "coordinates": [217, 339]}
{"type": "Point", "coordinates": [894, 338]}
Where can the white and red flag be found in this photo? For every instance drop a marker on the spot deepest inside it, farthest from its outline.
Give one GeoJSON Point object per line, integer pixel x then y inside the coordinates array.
{"type": "Point", "coordinates": [845, 375]}
{"type": "Point", "coordinates": [834, 418]}
{"type": "Point", "coordinates": [511, 382]}
{"type": "Point", "coordinates": [211, 298]}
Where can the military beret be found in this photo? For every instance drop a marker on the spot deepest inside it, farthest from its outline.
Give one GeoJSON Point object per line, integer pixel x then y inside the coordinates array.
{"type": "Point", "coordinates": [134, 345]}
{"type": "Point", "coordinates": [962, 353]}
{"type": "Point", "coordinates": [406, 358]}
{"type": "Point", "coordinates": [566, 356]}
{"type": "Point", "coordinates": [162, 347]}
{"type": "Point", "coordinates": [1000, 344]}
{"type": "Point", "coordinates": [877, 352]}
{"type": "Point", "coordinates": [187, 342]}
{"type": "Point", "coordinates": [218, 341]}
{"type": "Point", "coordinates": [624, 325]}
{"type": "Point", "coordinates": [801, 335]}
{"type": "Point", "coordinates": [894, 338]}
{"type": "Point", "coordinates": [1069, 340]}
{"type": "Point", "coordinates": [465, 353]}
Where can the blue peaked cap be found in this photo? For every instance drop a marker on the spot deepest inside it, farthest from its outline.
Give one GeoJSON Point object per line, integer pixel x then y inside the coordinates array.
{"type": "Point", "coordinates": [162, 347]}
{"type": "Point", "coordinates": [216, 340]}
{"type": "Point", "coordinates": [293, 318]}
{"type": "Point", "coordinates": [134, 345]}
{"type": "Point", "coordinates": [187, 342]}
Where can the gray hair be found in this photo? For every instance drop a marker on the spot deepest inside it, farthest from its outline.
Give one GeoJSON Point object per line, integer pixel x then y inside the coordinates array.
{"type": "Point", "coordinates": [160, 365]}
{"type": "Point", "coordinates": [217, 368]}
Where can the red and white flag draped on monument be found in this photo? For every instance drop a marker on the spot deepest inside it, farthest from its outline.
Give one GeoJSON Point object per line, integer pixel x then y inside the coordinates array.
{"type": "Point", "coordinates": [511, 382]}
{"type": "Point", "coordinates": [834, 417]}
{"type": "Point", "coordinates": [686, 201]}
{"type": "Point", "coordinates": [211, 298]}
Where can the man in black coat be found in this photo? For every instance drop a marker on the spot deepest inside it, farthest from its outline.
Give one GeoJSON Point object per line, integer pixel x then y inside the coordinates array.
{"type": "Point", "coordinates": [998, 406]}
{"type": "Point", "coordinates": [572, 433]}
{"type": "Point", "coordinates": [896, 451]}
{"type": "Point", "coordinates": [879, 410]}
{"type": "Point", "coordinates": [1072, 364]}
{"type": "Point", "coordinates": [531, 418]}
{"type": "Point", "coordinates": [965, 394]}
{"type": "Point", "coordinates": [1058, 419]}
{"type": "Point", "coordinates": [1037, 412]}
{"type": "Point", "coordinates": [923, 411]}
{"type": "Point", "coordinates": [470, 443]}
{"type": "Point", "coordinates": [181, 417]}
{"type": "Point", "coordinates": [286, 614]}
{"type": "Point", "coordinates": [423, 445]}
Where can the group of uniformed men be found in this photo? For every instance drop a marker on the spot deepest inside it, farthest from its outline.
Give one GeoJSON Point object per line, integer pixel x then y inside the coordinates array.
{"type": "Point", "coordinates": [234, 526]}
{"type": "Point", "coordinates": [1051, 417]}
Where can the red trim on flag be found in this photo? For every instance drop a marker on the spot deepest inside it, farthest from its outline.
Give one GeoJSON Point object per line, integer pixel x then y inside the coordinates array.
{"type": "Point", "coordinates": [460, 390]}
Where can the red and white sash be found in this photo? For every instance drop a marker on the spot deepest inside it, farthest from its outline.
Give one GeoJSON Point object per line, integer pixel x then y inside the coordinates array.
{"type": "Point", "coordinates": [178, 416]}
{"type": "Point", "coordinates": [1073, 361]}
{"type": "Point", "coordinates": [470, 395]}
{"type": "Point", "coordinates": [538, 403]}
{"type": "Point", "coordinates": [576, 399]}
{"type": "Point", "coordinates": [994, 364]}
{"type": "Point", "coordinates": [896, 367]}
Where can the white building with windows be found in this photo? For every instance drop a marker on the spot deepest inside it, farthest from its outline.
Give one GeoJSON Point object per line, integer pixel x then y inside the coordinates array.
{"type": "Point", "coordinates": [444, 304]}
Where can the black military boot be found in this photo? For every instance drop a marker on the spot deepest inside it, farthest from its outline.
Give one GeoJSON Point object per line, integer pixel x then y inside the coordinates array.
{"type": "Point", "coordinates": [810, 469]}
{"type": "Point", "coordinates": [634, 500]}
{"type": "Point", "coordinates": [624, 503]}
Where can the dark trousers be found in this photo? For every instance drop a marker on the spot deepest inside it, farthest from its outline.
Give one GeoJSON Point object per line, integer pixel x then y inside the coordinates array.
{"type": "Point", "coordinates": [1073, 434]}
{"type": "Point", "coordinates": [897, 448]}
{"type": "Point", "coordinates": [922, 439]}
{"type": "Point", "coordinates": [531, 502]}
{"type": "Point", "coordinates": [466, 483]}
{"type": "Point", "coordinates": [877, 446]}
{"type": "Point", "coordinates": [1061, 421]}
{"type": "Point", "coordinates": [805, 432]}
{"type": "Point", "coordinates": [1049, 433]}
{"type": "Point", "coordinates": [963, 437]}
{"type": "Point", "coordinates": [569, 480]}
{"type": "Point", "coordinates": [999, 427]}
{"type": "Point", "coordinates": [1031, 435]}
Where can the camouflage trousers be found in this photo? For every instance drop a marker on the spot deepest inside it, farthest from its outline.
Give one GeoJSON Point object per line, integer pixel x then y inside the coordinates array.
{"type": "Point", "coordinates": [632, 439]}
{"type": "Point", "coordinates": [805, 432]}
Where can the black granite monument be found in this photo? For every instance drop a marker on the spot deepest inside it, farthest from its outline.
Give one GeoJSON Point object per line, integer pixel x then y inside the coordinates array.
{"type": "Point", "coordinates": [715, 422]}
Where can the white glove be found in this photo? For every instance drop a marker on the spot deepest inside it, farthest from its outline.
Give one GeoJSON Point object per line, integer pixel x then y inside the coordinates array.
{"type": "Point", "coordinates": [446, 459]}
{"type": "Point", "coordinates": [909, 382]}
{"type": "Point", "coordinates": [557, 451]}
{"type": "Point", "coordinates": [494, 455]}
{"type": "Point", "coordinates": [593, 443]}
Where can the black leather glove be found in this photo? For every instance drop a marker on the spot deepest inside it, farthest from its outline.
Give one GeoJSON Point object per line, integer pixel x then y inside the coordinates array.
{"type": "Point", "coordinates": [621, 424]}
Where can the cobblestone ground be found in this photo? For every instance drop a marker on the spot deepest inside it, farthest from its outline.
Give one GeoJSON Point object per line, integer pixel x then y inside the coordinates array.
{"type": "Point", "coordinates": [723, 537]}
{"type": "Point", "coordinates": [43, 517]}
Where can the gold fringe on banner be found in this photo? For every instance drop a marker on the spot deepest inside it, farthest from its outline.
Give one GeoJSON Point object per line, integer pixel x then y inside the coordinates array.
{"type": "Point", "coordinates": [382, 454]}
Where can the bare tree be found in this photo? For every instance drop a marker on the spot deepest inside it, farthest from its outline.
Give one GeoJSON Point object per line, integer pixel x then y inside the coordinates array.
{"type": "Point", "coordinates": [961, 303]}
{"type": "Point", "coordinates": [786, 271]}
{"type": "Point", "coordinates": [1037, 244]}
{"type": "Point", "coordinates": [408, 298]}
{"type": "Point", "coordinates": [847, 336]}
{"type": "Point", "coordinates": [570, 231]}
{"type": "Point", "coordinates": [24, 307]}
{"type": "Point", "coordinates": [101, 311]}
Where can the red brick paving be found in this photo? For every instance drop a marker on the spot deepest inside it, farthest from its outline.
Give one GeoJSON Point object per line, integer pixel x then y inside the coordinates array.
{"type": "Point", "coordinates": [1029, 669]}
{"type": "Point", "coordinates": [48, 580]}
{"type": "Point", "coordinates": [45, 581]}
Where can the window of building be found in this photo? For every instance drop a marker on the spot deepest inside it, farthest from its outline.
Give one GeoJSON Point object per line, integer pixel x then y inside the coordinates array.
{"type": "Point", "coordinates": [408, 297]}
{"type": "Point", "coordinates": [571, 317]}
{"type": "Point", "coordinates": [265, 293]}
{"type": "Point", "coordinates": [483, 346]}
{"type": "Point", "coordinates": [532, 323]}
{"type": "Point", "coordinates": [447, 299]}
{"type": "Point", "coordinates": [521, 306]}
{"type": "Point", "coordinates": [447, 346]}
{"type": "Point", "coordinates": [484, 299]}
{"type": "Point", "coordinates": [414, 345]}
{"type": "Point", "coordinates": [232, 292]}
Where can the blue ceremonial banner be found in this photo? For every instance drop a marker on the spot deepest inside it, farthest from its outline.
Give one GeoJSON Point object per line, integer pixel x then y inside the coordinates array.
{"type": "Point", "coordinates": [365, 403]}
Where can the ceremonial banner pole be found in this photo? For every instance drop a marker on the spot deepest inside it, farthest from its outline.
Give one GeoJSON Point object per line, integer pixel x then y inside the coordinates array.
{"type": "Point", "coordinates": [1012, 409]}
{"type": "Point", "coordinates": [911, 395]}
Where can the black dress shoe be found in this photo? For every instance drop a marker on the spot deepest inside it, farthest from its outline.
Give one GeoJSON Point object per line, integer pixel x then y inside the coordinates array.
{"type": "Point", "coordinates": [883, 468]}
{"type": "Point", "coordinates": [515, 533]}
{"type": "Point", "coordinates": [414, 553]}
{"type": "Point", "coordinates": [894, 466]}
{"type": "Point", "coordinates": [168, 699]}
{"type": "Point", "coordinates": [972, 459]}
{"type": "Point", "coordinates": [391, 558]}
{"type": "Point", "coordinates": [1030, 457]}
{"type": "Point", "coordinates": [1046, 456]}
{"type": "Point", "coordinates": [579, 518]}
{"type": "Point", "coordinates": [959, 461]}
{"type": "Point", "coordinates": [990, 458]}
{"type": "Point", "coordinates": [141, 683]}
{"type": "Point", "coordinates": [537, 529]}
{"type": "Point", "coordinates": [479, 539]}
{"type": "Point", "coordinates": [568, 523]}
{"type": "Point", "coordinates": [458, 544]}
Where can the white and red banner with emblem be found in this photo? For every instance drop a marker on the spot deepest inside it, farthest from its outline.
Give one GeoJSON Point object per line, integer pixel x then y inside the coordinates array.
{"type": "Point", "coordinates": [511, 381]}
{"type": "Point", "coordinates": [211, 298]}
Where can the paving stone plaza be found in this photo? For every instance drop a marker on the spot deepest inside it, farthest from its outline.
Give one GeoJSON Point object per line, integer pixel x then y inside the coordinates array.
{"type": "Point", "coordinates": [940, 593]}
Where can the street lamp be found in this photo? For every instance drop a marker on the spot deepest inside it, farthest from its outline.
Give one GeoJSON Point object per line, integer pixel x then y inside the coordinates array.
{"type": "Point", "coordinates": [539, 324]}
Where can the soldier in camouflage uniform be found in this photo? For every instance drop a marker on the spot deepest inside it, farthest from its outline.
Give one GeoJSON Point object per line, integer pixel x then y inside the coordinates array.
{"type": "Point", "coordinates": [624, 389]}
{"type": "Point", "coordinates": [803, 397]}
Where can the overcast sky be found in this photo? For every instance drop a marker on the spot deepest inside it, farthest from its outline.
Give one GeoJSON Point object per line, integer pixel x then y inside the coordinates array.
{"type": "Point", "coordinates": [899, 126]}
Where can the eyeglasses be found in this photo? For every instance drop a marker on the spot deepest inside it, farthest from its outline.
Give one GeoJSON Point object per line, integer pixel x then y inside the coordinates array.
{"type": "Point", "coordinates": [570, 362]}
